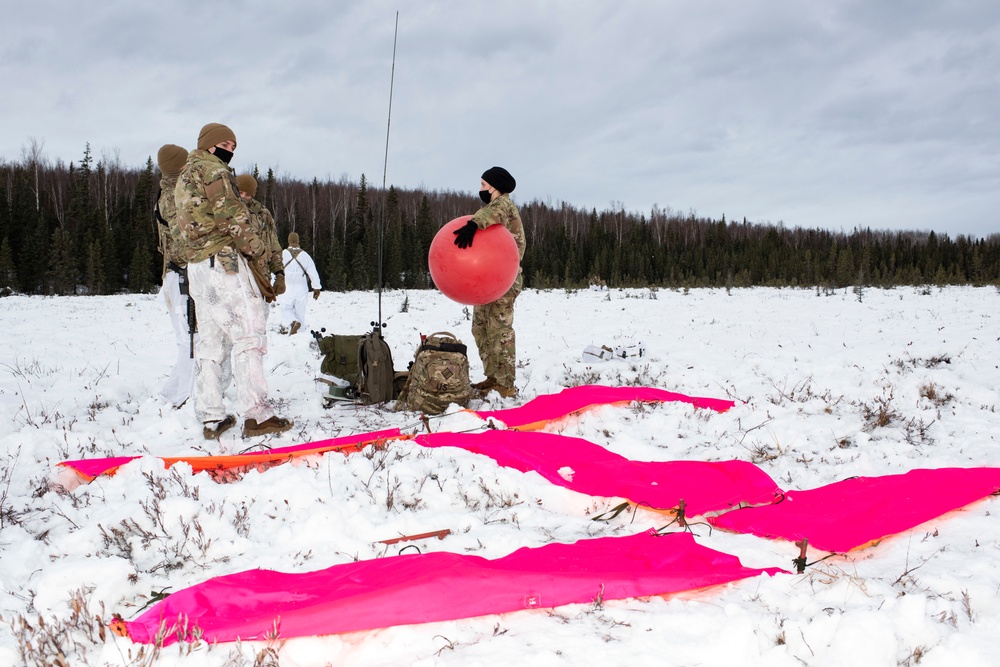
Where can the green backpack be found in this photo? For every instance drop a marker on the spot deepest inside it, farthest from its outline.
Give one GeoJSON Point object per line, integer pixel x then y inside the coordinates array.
{"type": "Point", "coordinates": [438, 377]}
{"type": "Point", "coordinates": [340, 357]}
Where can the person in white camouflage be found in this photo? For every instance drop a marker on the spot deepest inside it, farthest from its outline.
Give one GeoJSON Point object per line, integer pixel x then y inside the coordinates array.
{"type": "Point", "coordinates": [180, 383]}
{"type": "Point", "coordinates": [303, 279]}
{"type": "Point", "coordinates": [218, 240]}
{"type": "Point", "coordinates": [262, 221]}
{"type": "Point", "coordinates": [493, 323]}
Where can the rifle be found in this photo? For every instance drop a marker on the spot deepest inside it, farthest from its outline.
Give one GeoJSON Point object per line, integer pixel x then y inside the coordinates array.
{"type": "Point", "coordinates": [156, 210]}
{"type": "Point", "coordinates": [184, 288]}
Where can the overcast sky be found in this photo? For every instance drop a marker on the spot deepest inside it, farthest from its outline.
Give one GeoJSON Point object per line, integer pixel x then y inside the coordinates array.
{"type": "Point", "coordinates": [833, 114]}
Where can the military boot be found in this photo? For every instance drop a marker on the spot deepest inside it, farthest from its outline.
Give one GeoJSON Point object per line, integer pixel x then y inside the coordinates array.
{"type": "Point", "coordinates": [505, 391]}
{"type": "Point", "coordinates": [213, 430]}
{"type": "Point", "coordinates": [296, 325]}
{"type": "Point", "coordinates": [486, 384]}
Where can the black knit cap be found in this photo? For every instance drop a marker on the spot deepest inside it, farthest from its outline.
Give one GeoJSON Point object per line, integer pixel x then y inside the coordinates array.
{"type": "Point", "coordinates": [500, 178]}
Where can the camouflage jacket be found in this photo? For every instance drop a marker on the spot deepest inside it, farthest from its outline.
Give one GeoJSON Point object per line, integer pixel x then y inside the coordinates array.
{"type": "Point", "coordinates": [263, 226]}
{"type": "Point", "coordinates": [501, 211]}
{"type": "Point", "coordinates": [167, 228]}
{"type": "Point", "coordinates": [210, 214]}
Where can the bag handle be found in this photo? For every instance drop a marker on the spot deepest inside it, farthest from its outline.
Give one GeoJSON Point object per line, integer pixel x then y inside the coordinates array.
{"type": "Point", "coordinates": [457, 346]}
{"type": "Point", "coordinates": [443, 333]}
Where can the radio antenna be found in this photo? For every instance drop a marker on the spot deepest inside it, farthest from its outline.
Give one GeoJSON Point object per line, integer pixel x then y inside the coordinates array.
{"type": "Point", "coordinates": [385, 164]}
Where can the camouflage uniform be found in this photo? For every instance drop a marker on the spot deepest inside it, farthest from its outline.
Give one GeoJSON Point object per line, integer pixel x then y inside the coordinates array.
{"type": "Point", "coordinates": [169, 233]}
{"type": "Point", "coordinates": [493, 323]}
{"type": "Point", "coordinates": [180, 383]}
{"type": "Point", "coordinates": [263, 225]}
{"type": "Point", "coordinates": [213, 220]}
{"type": "Point", "coordinates": [217, 238]}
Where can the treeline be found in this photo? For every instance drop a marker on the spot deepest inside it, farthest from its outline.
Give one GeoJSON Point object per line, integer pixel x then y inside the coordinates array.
{"type": "Point", "coordinates": [88, 228]}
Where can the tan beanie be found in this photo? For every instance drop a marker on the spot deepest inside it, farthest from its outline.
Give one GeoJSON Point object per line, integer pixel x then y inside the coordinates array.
{"type": "Point", "coordinates": [214, 134]}
{"type": "Point", "coordinates": [171, 159]}
{"type": "Point", "coordinates": [293, 239]}
{"type": "Point", "coordinates": [247, 184]}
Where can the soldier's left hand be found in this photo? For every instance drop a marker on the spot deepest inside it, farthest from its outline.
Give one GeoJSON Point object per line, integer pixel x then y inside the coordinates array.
{"type": "Point", "coordinates": [315, 294]}
{"type": "Point", "coordinates": [279, 284]}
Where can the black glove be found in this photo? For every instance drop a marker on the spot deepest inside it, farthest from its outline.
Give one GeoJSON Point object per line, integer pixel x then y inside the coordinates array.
{"type": "Point", "coordinates": [463, 237]}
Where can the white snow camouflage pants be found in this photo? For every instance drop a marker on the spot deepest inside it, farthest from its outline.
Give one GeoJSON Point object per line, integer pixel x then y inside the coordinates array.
{"type": "Point", "coordinates": [180, 383]}
{"type": "Point", "coordinates": [293, 306]}
{"type": "Point", "coordinates": [230, 316]}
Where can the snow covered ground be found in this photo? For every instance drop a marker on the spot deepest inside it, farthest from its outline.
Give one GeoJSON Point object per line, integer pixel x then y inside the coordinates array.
{"type": "Point", "coordinates": [829, 387]}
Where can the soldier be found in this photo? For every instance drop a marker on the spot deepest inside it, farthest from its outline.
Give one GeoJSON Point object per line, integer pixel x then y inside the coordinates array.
{"type": "Point", "coordinates": [218, 240]}
{"type": "Point", "coordinates": [493, 323]}
{"type": "Point", "coordinates": [269, 264]}
{"type": "Point", "coordinates": [302, 279]}
{"type": "Point", "coordinates": [180, 383]}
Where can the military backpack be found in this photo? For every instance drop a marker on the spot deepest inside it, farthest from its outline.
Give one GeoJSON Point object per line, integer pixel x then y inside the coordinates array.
{"type": "Point", "coordinates": [375, 371]}
{"type": "Point", "coordinates": [340, 356]}
{"type": "Point", "coordinates": [439, 376]}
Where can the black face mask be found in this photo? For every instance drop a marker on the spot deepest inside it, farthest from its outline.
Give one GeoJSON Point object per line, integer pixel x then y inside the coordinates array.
{"type": "Point", "coordinates": [223, 154]}
{"type": "Point", "coordinates": [485, 196]}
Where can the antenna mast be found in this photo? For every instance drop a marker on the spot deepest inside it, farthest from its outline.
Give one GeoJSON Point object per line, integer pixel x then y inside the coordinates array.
{"type": "Point", "coordinates": [385, 164]}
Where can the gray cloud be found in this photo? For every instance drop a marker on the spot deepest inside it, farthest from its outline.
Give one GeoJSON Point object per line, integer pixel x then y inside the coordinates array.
{"type": "Point", "coordinates": [834, 114]}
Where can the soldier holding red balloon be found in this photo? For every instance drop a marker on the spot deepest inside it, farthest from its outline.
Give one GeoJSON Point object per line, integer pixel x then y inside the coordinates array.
{"type": "Point", "coordinates": [493, 323]}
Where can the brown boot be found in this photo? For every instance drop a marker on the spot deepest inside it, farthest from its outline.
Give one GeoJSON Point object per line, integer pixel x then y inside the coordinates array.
{"type": "Point", "coordinates": [486, 384]}
{"type": "Point", "coordinates": [506, 392]}
{"type": "Point", "coordinates": [271, 425]}
{"type": "Point", "coordinates": [213, 430]}
{"type": "Point", "coordinates": [296, 325]}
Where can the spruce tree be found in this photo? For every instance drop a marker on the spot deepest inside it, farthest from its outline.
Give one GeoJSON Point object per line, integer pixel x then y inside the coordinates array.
{"type": "Point", "coordinates": [140, 275]}
{"type": "Point", "coordinates": [8, 272]}
{"type": "Point", "coordinates": [61, 277]}
{"type": "Point", "coordinates": [268, 194]}
{"type": "Point", "coordinates": [845, 267]}
{"type": "Point", "coordinates": [426, 228]}
{"type": "Point", "coordinates": [82, 215]}
{"type": "Point", "coordinates": [95, 268]}
{"type": "Point", "coordinates": [139, 240]}
{"type": "Point", "coordinates": [335, 277]}
{"type": "Point", "coordinates": [33, 257]}
{"type": "Point", "coordinates": [393, 264]}
{"type": "Point", "coordinates": [362, 262]}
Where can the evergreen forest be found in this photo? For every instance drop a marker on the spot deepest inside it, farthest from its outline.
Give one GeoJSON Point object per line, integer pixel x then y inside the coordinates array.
{"type": "Point", "coordinates": [88, 228]}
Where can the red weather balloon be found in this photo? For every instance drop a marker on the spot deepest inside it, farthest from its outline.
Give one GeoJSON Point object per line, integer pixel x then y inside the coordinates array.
{"type": "Point", "coordinates": [479, 274]}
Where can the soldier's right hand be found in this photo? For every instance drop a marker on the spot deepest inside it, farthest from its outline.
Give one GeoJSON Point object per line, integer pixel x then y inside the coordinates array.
{"type": "Point", "coordinates": [463, 237]}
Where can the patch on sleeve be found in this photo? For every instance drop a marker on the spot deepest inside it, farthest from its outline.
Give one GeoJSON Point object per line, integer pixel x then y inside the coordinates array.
{"type": "Point", "coordinates": [215, 189]}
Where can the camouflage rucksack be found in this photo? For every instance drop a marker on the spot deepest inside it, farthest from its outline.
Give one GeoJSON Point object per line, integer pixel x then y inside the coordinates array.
{"type": "Point", "coordinates": [438, 377]}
